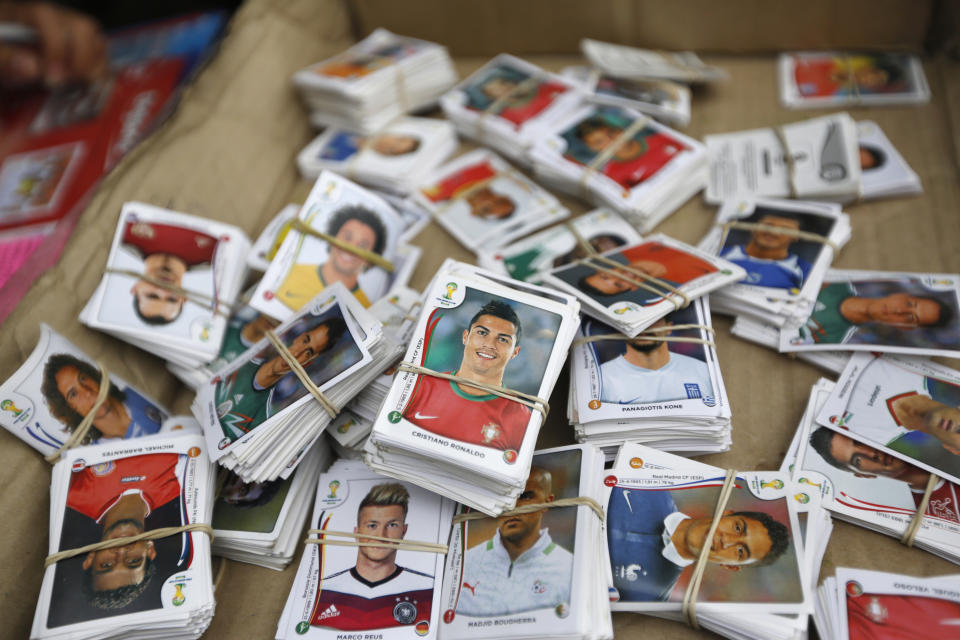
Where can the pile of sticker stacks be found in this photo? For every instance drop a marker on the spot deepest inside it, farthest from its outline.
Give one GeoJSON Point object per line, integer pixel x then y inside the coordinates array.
{"type": "Point", "coordinates": [374, 559]}
{"type": "Point", "coordinates": [169, 283]}
{"type": "Point", "coordinates": [376, 80]}
{"type": "Point", "coordinates": [555, 556]}
{"type": "Point", "coordinates": [465, 408]}
{"type": "Point", "coordinates": [508, 104]}
{"type": "Point", "coordinates": [260, 412]}
{"type": "Point", "coordinates": [348, 434]}
{"type": "Point", "coordinates": [768, 335]}
{"type": "Point", "coordinates": [662, 388]}
{"type": "Point", "coordinates": [161, 587]}
{"type": "Point", "coordinates": [260, 522]}
{"type": "Point", "coordinates": [395, 158]}
{"type": "Point", "coordinates": [722, 550]}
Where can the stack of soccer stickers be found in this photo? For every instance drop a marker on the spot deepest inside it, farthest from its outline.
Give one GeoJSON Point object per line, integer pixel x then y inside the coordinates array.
{"type": "Point", "coordinates": [883, 171]}
{"type": "Point", "coordinates": [862, 484]}
{"type": "Point", "coordinates": [46, 399]}
{"type": "Point", "coordinates": [464, 411]}
{"type": "Point", "coordinates": [814, 159]}
{"type": "Point", "coordinates": [256, 412]}
{"type": "Point", "coordinates": [890, 311]}
{"type": "Point", "coordinates": [526, 259]}
{"type": "Point", "coordinates": [662, 388]}
{"type": "Point", "coordinates": [169, 283]}
{"type": "Point", "coordinates": [348, 434]}
{"type": "Point", "coordinates": [668, 102]}
{"type": "Point", "coordinates": [830, 79]}
{"type": "Point", "coordinates": [629, 62]}
{"type": "Point", "coordinates": [260, 522]}
{"type": "Point", "coordinates": [396, 158]}
{"type": "Point", "coordinates": [633, 287]}
{"type": "Point", "coordinates": [620, 158]}
{"type": "Point", "coordinates": [768, 335]}
{"type": "Point", "coordinates": [376, 80]}
{"type": "Point", "coordinates": [157, 588]}
{"type": "Point", "coordinates": [508, 104]}
{"type": "Point", "coordinates": [378, 569]}
{"type": "Point", "coordinates": [485, 203]}
{"type": "Point", "coordinates": [666, 515]}
{"type": "Point", "coordinates": [538, 574]}
{"type": "Point", "coordinates": [859, 604]}
{"type": "Point", "coordinates": [343, 233]}
{"type": "Point", "coordinates": [785, 248]}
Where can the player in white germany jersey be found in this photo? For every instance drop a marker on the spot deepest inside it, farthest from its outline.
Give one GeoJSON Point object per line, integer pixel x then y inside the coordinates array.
{"type": "Point", "coordinates": [520, 568]}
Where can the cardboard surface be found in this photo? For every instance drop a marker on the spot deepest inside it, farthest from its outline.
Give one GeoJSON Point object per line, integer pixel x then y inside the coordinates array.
{"type": "Point", "coordinates": [229, 154]}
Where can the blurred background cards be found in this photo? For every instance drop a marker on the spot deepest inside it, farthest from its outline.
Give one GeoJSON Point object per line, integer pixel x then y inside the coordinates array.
{"type": "Point", "coordinates": [631, 62]}
{"type": "Point", "coordinates": [884, 172]}
{"type": "Point", "coordinates": [666, 101]}
{"type": "Point", "coordinates": [827, 79]}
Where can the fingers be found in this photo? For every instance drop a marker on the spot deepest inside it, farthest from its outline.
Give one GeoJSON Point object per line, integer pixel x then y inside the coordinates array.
{"type": "Point", "coordinates": [19, 66]}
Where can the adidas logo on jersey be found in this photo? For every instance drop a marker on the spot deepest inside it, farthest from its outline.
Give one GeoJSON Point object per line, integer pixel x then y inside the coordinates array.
{"type": "Point", "coordinates": [330, 612]}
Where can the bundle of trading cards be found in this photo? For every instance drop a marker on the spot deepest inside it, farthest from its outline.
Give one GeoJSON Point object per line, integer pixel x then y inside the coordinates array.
{"type": "Point", "coordinates": [376, 80]}
{"type": "Point", "coordinates": [160, 588]}
{"type": "Point", "coordinates": [258, 415]}
{"type": "Point", "coordinates": [525, 259]}
{"type": "Point", "coordinates": [857, 603]}
{"type": "Point", "coordinates": [378, 568]}
{"type": "Point", "coordinates": [348, 434]}
{"type": "Point", "coordinates": [508, 104]}
{"type": "Point", "coordinates": [830, 79]}
{"type": "Point", "coordinates": [889, 311]}
{"type": "Point", "coordinates": [668, 102]}
{"type": "Point", "coordinates": [395, 158]}
{"type": "Point", "coordinates": [761, 565]}
{"type": "Point", "coordinates": [662, 388]}
{"type": "Point", "coordinates": [768, 335]}
{"type": "Point", "coordinates": [538, 574]}
{"type": "Point", "coordinates": [464, 411]}
{"type": "Point", "coordinates": [633, 287]}
{"type": "Point", "coordinates": [169, 283]}
{"type": "Point", "coordinates": [870, 487]}
{"type": "Point", "coordinates": [785, 247]}
{"type": "Point", "coordinates": [629, 62]}
{"type": "Point", "coordinates": [343, 233]}
{"type": "Point", "coordinates": [270, 239]}
{"type": "Point", "coordinates": [620, 158]}
{"type": "Point", "coordinates": [883, 171]}
{"type": "Point", "coordinates": [485, 203]}
{"type": "Point", "coordinates": [260, 522]}
{"type": "Point", "coordinates": [814, 159]}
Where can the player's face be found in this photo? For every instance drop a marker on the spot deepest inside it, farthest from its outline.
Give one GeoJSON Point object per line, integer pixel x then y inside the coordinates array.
{"type": "Point", "coordinates": [604, 243]}
{"type": "Point", "coordinates": [386, 522]}
{"type": "Point", "coordinates": [496, 88]}
{"type": "Point", "coordinates": [600, 138]}
{"type": "Point", "coordinates": [394, 145]}
{"type": "Point", "coordinates": [359, 235]}
{"type": "Point", "coordinates": [774, 241]}
{"type": "Point", "coordinates": [738, 539]}
{"type": "Point", "coordinates": [120, 566]}
{"type": "Point", "coordinates": [867, 159]}
{"type": "Point", "coordinates": [645, 345]}
{"type": "Point", "coordinates": [309, 344]}
{"type": "Point", "coordinates": [903, 309]}
{"type": "Point", "coordinates": [629, 150]}
{"type": "Point", "coordinates": [871, 77]}
{"type": "Point", "coordinates": [943, 422]}
{"type": "Point", "coordinates": [864, 459]}
{"type": "Point", "coordinates": [165, 267]}
{"type": "Point", "coordinates": [485, 203]}
{"type": "Point", "coordinates": [80, 392]}
{"type": "Point", "coordinates": [489, 345]}
{"type": "Point", "coordinates": [154, 301]}
{"type": "Point", "coordinates": [236, 491]}
{"type": "Point", "coordinates": [518, 527]}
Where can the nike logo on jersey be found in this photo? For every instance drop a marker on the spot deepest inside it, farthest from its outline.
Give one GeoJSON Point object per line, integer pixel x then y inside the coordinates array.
{"type": "Point", "coordinates": [420, 417]}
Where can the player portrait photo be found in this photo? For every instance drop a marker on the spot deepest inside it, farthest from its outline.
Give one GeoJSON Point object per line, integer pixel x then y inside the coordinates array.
{"type": "Point", "coordinates": [647, 91]}
{"type": "Point", "coordinates": [508, 92]}
{"type": "Point", "coordinates": [521, 563]}
{"type": "Point", "coordinates": [357, 64]}
{"type": "Point", "coordinates": [342, 145]}
{"type": "Point", "coordinates": [252, 507]}
{"type": "Point", "coordinates": [119, 498]}
{"type": "Point", "coordinates": [477, 195]}
{"type": "Point", "coordinates": [826, 76]}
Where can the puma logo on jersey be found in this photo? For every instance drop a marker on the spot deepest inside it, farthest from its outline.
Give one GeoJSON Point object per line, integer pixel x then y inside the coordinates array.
{"type": "Point", "coordinates": [420, 417]}
{"type": "Point", "coordinates": [473, 588]}
{"type": "Point", "coordinates": [330, 612]}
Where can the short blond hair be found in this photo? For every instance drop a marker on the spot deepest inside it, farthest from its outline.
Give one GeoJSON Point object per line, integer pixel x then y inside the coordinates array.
{"type": "Point", "coordinates": [387, 494]}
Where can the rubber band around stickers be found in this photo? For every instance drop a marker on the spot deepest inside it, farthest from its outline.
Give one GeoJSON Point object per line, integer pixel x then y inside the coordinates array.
{"type": "Point", "coordinates": [689, 607]}
{"type": "Point", "coordinates": [373, 258]}
{"type": "Point", "coordinates": [646, 282]}
{"type": "Point", "coordinates": [499, 102]}
{"type": "Point", "coordinates": [533, 402]}
{"type": "Point", "coordinates": [301, 374]}
{"type": "Point", "coordinates": [583, 242]}
{"type": "Point", "coordinates": [155, 534]}
{"type": "Point", "coordinates": [601, 158]}
{"type": "Point", "coordinates": [196, 297]}
{"type": "Point", "coordinates": [537, 506]}
{"type": "Point", "coordinates": [384, 542]}
{"type": "Point", "coordinates": [914, 527]}
{"type": "Point", "coordinates": [796, 233]}
{"type": "Point", "coordinates": [645, 335]}
{"type": "Point", "coordinates": [788, 158]}
{"type": "Point", "coordinates": [81, 430]}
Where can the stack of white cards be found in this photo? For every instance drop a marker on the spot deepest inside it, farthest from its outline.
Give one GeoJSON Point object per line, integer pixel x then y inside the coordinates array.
{"type": "Point", "coordinates": [534, 575]}
{"type": "Point", "coordinates": [663, 388]}
{"type": "Point", "coordinates": [768, 335]}
{"type": "Point", "coordinates": [256, 413]}
{"type": "Point", "coordinates": [260, 522]}
{"type": "Point", "coordinates": [396, 158]}
{"type": "Point", "coordinates": [169, 283]}
{"type": "Point", "coordinates": [620, 158]}
{"type": "Point", "coordinates": [160, 588]}
{"type": "Point", "coordinates": [474, 443]}
{"type": "Point", "coordinates": [814, 159]}
{"type": "Point", "coordinates": [857, 603]}
{"type": "Point", "coordinates": [382, 580]}
{"type": "Point", "coordinates": [668, 102]}
{"type": "Point", "coordinates": [485, 203]}
{"type": "Point", "coordinates": [762, 564]}
{"type": "Point", "coordinates": [884, 172]}
{"type": "Point", "coordinates": [508, 104]}
{"type": "Point", "coordinates": [376, 80]}
{"type": "Point", "coordinates": [630, 62]}
{"type": "Point", "coordinates": [348, 434]}
{"type": "Point", "coordinates": [784, 268]}
{"type": "Point", "coordinates": [633, 287]}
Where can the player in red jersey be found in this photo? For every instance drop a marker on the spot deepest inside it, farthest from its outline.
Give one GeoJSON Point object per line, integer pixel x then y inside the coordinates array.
{"type": "Point", "coordinates": [472, 184]}
{"type": "Point", "coordinates": [459, 411]}
{"type": "Point", "coordinates": [119, 495]}
{"type": "Point", "coordinates": [896, 617]}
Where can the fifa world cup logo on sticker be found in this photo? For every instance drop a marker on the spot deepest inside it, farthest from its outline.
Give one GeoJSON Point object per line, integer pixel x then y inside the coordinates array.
{"type": "Point", "coordinates": [772, 484]}
{"type": "Point", "coordinates": [810, 482]}
{"type": "Point", "coordinates": [178, 597]}
{"type": "Point", "coordinates": [334, 485]}
{"type": "Point", "coordinates": [802, 498]}
{"type": "Point", "coordinates": [451, 289]}
{"type": "Point", "coordinates": [8, 405]}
